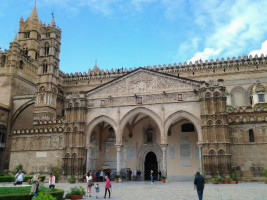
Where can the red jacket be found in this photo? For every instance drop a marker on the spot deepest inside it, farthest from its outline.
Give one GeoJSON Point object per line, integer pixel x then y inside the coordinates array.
{"type": "Point", "coordinates": [108, 184]}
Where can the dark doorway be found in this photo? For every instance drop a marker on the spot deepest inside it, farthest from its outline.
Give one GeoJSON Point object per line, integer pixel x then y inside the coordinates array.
{"type": "Point", "coordinates": [151, 163]}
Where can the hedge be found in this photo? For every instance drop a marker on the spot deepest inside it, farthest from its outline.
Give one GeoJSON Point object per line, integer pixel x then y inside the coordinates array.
{"type": "Point", "coordinates": [12, 178]}
{"type": "Point", "coordinates": [22, 193]}
{"type": "Point", "coordinates": [7, 179]}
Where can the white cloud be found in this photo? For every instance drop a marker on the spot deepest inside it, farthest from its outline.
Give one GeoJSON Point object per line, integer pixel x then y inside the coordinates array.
{"type": "Point", "coordinates": [262, 50]}
{"type": "Point", "coordinates": [205, 55]}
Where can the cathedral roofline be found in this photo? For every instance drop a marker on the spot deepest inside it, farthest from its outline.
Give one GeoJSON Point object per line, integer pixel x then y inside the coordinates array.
{"type": "Point", "coordinates": [194, 67]}
{"type": "Point", "coordinates": [150, 71]}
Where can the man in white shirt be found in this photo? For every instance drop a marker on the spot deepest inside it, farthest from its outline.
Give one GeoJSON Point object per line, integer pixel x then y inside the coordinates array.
{"type": "Point", "coordinates": [19, 178]}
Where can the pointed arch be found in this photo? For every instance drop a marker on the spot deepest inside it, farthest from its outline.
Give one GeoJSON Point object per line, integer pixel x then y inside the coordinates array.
{"type": "Point", "coordinates": [177, 116]}
{"type": "Point", "coordinates": [96, 121]}
{"type": "Point", "coordinates": [129, 115]}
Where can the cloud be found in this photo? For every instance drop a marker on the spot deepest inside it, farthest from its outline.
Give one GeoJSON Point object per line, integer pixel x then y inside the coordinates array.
{"type": "Point", "coordinates": [262, 50]}
{"type": "Point", "coordinates": [207, 54]}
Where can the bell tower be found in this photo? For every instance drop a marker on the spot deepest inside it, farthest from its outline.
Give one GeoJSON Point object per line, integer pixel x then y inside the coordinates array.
{"type": "Point", "coordinates": [30, 35]}
{"type": "Point", "coordinates": [48, 72]}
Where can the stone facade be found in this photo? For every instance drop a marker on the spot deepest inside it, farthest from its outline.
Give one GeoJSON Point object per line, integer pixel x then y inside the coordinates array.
{"type": "Point", "coordinates": [209, 116]}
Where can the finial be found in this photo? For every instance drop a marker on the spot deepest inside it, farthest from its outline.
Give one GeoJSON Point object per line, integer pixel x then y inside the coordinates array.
{"type": "Point", "coordinates": [53, 20]}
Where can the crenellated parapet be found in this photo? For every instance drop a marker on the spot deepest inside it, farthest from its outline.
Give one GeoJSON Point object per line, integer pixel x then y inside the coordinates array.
{"type": "Point", "coordinates": [198, 68]}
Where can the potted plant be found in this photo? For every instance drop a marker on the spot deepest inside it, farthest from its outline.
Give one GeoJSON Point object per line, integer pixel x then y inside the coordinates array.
{"type": "Point", "coordinates": [72, 179]}
{"type": "Point", "coordinates": [75, 193]}
{"type": "Point", "coordinates": [216, 180]}
{"type": "Point", "coordinates": [234, 178]}
{"type": "Point", "coordinates": [56, 172]}
{"type": "Point", "coordinates": [163, 179]}
{"type": "Point", "coordinates": [117, 178]}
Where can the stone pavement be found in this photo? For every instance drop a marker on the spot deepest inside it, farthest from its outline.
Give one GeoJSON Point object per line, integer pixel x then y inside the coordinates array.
{"type": "Point", "coordinates": [177, 191]}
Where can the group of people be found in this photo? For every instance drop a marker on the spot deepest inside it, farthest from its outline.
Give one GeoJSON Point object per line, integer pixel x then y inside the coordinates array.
{"type": "Point", "coordinates": [152, 176]}
{"type": "Point", "coordinates": [90, 184]}
{"type": "Point", "coordinates": [35, 181]}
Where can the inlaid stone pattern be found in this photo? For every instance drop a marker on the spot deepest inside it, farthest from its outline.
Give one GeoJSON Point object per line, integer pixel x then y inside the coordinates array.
{"type": "Point", "coordinates": [143, 82]}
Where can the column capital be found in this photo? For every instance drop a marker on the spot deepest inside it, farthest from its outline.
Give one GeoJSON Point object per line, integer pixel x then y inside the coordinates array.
{"type": "Point", "coordinates": [163, 145]}
{"type": "Point", "coordinates": [118, 145]}
{"type": "Point", "coordinates": [88, 147]}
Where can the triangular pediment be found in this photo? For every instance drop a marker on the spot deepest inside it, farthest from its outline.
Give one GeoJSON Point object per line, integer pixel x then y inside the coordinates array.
{"type": "Point", "coordinates": [143, 82]}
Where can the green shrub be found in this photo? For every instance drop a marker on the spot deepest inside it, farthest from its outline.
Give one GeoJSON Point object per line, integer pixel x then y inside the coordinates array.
{"type": "Point", "coordinates": [72, 179]}
{"type": "Point", "coordinates": [22, 193]}
{"type": "Point", "coordinates": [78, 190]}
{"type": "Point", "coordinates": [265, 172]}
{"type": "Point", "coordinates": [7, 178]}
{"type": "Point", "coordinates": [45, 196]}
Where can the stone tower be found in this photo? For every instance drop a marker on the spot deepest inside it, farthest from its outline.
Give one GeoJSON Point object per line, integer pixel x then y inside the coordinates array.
{"type": "Point", "coordinates": [48, 72]}
{"type": "Point", "coordinates": [30, 35]}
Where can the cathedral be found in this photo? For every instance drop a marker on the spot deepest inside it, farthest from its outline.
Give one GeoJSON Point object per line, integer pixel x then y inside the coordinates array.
{"type": "Point", "coordinates": [208, 116]}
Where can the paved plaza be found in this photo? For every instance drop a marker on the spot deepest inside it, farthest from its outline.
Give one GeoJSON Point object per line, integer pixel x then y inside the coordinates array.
{"type": "Point", "coordinates": [177, 190]}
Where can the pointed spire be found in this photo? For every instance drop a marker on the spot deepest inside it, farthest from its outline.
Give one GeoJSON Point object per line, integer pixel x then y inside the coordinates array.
{"type": "Point", "coordinates": [34, 15]}
{"type": "Point", "coordinates": [96, 69]}
{"type": "Point", "coordinates": [16, 38]}
{"type": "Point", "coordinates": [53, 24]}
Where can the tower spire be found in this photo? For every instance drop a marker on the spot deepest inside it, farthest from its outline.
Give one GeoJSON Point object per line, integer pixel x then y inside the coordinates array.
{"type": "Point", "coordinates": [53, 21]}
{"type": "Point", "coordinates": [34, 15]}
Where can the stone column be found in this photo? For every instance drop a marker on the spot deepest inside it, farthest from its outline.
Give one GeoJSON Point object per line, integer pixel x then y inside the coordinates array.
{"type": "Point", "coordinates": [200, 158]}
{"type": "Point", "coordinates": [118, 147]}
{"type": "Point", "coordinates": [88, 150]}
{"type": "Point", "coordinates": [164, 159]}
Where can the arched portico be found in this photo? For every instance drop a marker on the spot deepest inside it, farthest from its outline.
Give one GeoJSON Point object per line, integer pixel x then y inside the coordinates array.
{"type": "Point", "coordinates": [101, 136]}
{"type": "Point", "coordinates": [185, 143]}
{"type": "Point", "coordinates": [96, 121]}
{"type": "Point", "coordinates": [179, 115]}
{"type": "Point", "coordinates": [131, 114]}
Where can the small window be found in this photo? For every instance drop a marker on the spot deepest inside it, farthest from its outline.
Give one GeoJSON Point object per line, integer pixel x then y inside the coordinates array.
{"type": "Point", "coordinates": [47, 35]}
{"type": "Point", "coordinates": [25, 51]}
{"type": "Point", "coordinates": [21, 64]}
{"type": "Point", "coordinates": [45, 68]}
{"type": "Point", "coordinates": [188, 127]}
{"type": "Point", "coordinates": [261, 98]}
{"type": "Point", "coordinates": [46, 49]}
{"type": "Point", "coordinates": [27, 34]}
{"type": "Point", "coordinates": [3, 61]}
{"type": "Point", "coordinates": [251, 135]}
{"type": "Point", "coordinates": [37, 55]}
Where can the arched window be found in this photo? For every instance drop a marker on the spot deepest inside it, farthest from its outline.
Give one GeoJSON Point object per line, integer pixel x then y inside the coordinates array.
{"type": "Point", "coordinates": [3, 61]}
{"type": "Point", "coordinates": [21, 64]}
{"type": "Point", "coordinates": [25, 51]}
{"type": "Point", "coordinates": [46, 49]}
{"type": "Point", "coordinates": [188, 127]}
{"type": "Point", "coordinates": [45, 68]}
{"type": "Point", "coordinates": [251, 135]}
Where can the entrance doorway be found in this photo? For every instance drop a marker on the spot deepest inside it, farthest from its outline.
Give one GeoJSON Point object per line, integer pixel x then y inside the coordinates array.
{"type": "Point", "coordinates": [151, 163]}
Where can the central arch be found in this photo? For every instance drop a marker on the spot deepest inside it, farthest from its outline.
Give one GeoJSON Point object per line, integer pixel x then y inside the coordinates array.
{"type": "Point", "coordinates": [131, 114]}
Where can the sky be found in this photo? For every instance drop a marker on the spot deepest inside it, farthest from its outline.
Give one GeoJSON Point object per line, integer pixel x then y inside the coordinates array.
{"type": "Point", "coordinates": [137, 33]}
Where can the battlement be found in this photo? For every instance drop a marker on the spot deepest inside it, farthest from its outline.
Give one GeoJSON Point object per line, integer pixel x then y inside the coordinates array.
{"type": "Point", "coordinates": [170, 68]}
{"type": "Point", "coordinates": [56, 126]}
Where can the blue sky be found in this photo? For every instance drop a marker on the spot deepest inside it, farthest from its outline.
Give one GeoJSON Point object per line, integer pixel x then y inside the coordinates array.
{"type": "Point", "coordinates": [134, 33]}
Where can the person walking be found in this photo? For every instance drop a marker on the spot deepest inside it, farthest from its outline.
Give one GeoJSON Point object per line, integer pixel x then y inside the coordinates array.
{"type": "Point", "coordinates": [159, 175]}
{"type": "Point", "coordinates": [52, 181]}
{"type": "Point", "coordinates": [199, 183]}
{"type": "Point", "coordinates": [152, 176]}
{"type": "Point", "coordinates": [101, 175]}
{"type": "Point", "coordinates": [107, 186]}
{"type": "Point", "coordinates": [35, 186]}
{"type": "Point", "coordinates": [89, 182]}
{"type": "Point", "coordinates": [97, 189]}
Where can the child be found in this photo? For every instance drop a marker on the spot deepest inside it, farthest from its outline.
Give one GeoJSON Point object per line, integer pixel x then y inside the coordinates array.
{"type": "Point", "coordinates": [97, 189]}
